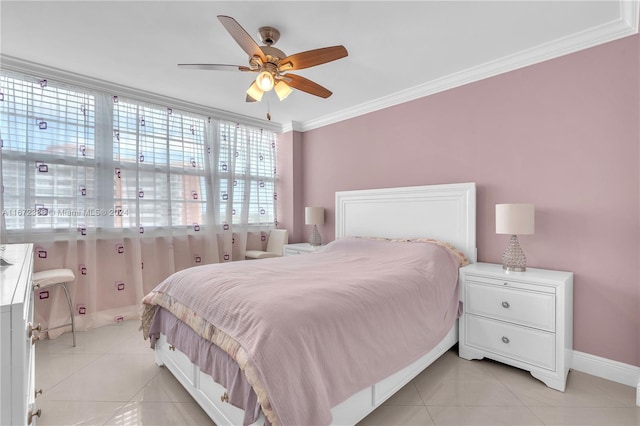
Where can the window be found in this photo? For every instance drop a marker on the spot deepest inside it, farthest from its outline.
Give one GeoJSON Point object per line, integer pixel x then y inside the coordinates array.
{"type": "Point", "coordinates": [48, 147]}
{"type": "Point", "coordinates": [247, 170]}
{"type": "Point", "coordinates": [75, 158]}
{"type": "Point", "coordinates": [160, 166]}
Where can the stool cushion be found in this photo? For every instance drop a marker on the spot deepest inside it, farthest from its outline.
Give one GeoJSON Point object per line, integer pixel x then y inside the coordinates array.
{"type": "Point", "coordinates": [259, 254]}
{"type": "Point", "coordinates": [53, 276]}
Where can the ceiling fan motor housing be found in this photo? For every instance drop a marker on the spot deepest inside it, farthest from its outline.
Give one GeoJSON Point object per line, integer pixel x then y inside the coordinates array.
{"type": "Point", "coordinates": [268, 35]}
{"type": "Point", "coordinates": [272, 52]}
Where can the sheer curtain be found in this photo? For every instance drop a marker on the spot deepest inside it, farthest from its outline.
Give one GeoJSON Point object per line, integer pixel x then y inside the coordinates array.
{"type": "Point", "coordinates": [244, 185]}
{"type": "Point", "coordinates": [124, 193]}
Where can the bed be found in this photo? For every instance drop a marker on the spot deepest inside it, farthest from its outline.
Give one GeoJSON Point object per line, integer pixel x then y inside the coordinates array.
{"type": "Point", "coordinates": [366, 221]}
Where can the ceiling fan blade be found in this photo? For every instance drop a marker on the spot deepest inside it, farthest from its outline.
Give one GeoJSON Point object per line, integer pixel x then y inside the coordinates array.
{"type": "Point", "coordinates": [312, 58]}
{"type": "Point", "coordinates": [306, 85]}
{"type": "Point", "coordinates": [241, 37]}
{"type": "Point", "coordinates": [214, 67]}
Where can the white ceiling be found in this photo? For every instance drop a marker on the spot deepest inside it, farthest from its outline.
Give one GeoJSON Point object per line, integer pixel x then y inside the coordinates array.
{"type": "Point", "coordinates": [397, 50]}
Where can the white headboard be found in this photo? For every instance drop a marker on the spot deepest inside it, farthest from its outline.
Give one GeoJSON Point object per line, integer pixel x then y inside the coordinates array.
{"type": "Point", "coordinates": [445, 212]}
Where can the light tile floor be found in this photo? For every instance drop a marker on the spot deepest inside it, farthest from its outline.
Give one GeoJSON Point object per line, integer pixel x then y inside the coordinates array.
{"type": "Point", "coordinates": [110, 378]}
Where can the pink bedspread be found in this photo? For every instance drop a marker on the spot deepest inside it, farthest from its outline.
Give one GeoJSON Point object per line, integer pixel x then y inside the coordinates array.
{"type": "Point", "coordinates": [311, 330]}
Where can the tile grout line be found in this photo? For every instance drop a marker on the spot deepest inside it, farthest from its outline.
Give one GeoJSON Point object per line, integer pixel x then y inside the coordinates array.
{"type": "Point", "coordinates": [497, 377]}
{"type": "Point", "coordinates": [131, 400]}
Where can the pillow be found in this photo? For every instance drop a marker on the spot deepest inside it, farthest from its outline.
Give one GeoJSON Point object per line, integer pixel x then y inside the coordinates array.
{"type": "Point", "coordinates": [462, 259]}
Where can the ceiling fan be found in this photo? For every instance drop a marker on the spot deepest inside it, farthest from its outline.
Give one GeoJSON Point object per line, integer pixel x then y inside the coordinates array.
{"type": "Point", "coordinates": [272, 65]}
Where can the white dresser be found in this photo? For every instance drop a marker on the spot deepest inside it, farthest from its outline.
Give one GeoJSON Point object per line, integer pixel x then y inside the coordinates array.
{"type": "Point", "coordinates": [524, 319]}
{"type": "Point", "coordinates": [17, 355]}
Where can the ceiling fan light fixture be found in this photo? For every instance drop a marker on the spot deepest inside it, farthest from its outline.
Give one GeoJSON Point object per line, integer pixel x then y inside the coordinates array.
{"type": "Point", "coordinates": [272, 64]}
{"type": "Point", "coordinates": [282, 90]}
{"type": "Point", "coordinates": [265, 81]}
{"type": "Point", "coordinates": [255, 92]}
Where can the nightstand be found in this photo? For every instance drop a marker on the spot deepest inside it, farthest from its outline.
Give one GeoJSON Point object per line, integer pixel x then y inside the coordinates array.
{"type": "Point", "coordinates": [524, 319]}
{"type": "Point", "coordinates": [299, 248]}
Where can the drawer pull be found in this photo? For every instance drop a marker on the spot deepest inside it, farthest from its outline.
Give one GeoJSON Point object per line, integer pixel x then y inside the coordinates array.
{"type": "Point", "coordinates": [505, 305]}
{"type": "Point", "coordinates": [224, 397]}
{"type": "Point", "coordinates": [505, 339]}
{"type": "Point", "coordinates": [36, 414]}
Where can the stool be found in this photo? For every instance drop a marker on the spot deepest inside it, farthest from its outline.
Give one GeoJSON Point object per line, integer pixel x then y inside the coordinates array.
{"type": "Point", "coordinates": [50, 278]}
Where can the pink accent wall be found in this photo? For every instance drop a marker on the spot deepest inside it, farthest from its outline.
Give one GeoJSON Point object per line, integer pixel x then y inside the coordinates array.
{"type": "Point", "coordinates": [563, 134]}
{"type": "Point", "coordinates": [290, 212]}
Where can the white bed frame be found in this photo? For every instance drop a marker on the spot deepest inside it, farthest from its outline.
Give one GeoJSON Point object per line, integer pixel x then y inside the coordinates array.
{"type": "Point", "coordinates": [445, 212]}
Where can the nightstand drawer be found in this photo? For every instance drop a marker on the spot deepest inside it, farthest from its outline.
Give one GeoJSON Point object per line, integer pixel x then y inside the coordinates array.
{"type": "Point", "coordinates": [528, 308]}
{"type": "Point", "coordinates": [300, 248]}
{"type": "Point", "coordinates": [292, 252]}
{"type": "Point", "coordinates": [514, 282]}
{"type": "Point", "coordinates": [534, 347]}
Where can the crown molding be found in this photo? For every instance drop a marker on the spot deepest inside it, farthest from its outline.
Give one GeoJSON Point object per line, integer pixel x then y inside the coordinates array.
{"type": "Point", "coordinates": [293, 126]}
{"type": "Point", "coordinates": [626, 25]}
{"type": "Point", "coordinates": [67, 77]}
{"type": "Point", "coordinates": [630, 13]}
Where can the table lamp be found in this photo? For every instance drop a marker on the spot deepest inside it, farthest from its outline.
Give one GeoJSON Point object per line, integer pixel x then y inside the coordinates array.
{"type": "Point", "coordinates": [514, 220]}
{"type": "Point", "coordinates": [314, 216]}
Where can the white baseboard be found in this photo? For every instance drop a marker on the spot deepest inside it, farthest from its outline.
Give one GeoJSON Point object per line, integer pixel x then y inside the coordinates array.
{"type": "Point", "coordinates": [608, 369]}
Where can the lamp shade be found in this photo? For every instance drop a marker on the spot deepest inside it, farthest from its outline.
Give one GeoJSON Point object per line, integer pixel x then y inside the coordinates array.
{"type": "Point", "coordinates": [265, 81]}
{"type": "Point", "coordinates": [255, 92]}
{"type": "Point", "coordinates": [282, 90]}
{"type": "Point", "coordinates": [314, 215]}
{"type": "Point", "coordinates": [515, 219]}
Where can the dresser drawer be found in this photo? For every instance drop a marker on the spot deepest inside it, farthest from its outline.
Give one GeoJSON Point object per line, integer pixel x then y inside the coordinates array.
{"type": "Point", "coordinates": [534, 347]}
{"type": "Point", "coordinates": [528, 308]}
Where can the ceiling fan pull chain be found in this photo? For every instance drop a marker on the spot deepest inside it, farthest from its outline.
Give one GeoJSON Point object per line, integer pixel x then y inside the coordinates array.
{"type": "Point", "coordinates": [268, 110]}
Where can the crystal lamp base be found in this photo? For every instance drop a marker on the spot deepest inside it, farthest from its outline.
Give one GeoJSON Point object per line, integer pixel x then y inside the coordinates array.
{"type": "Point", "coordinates": [315, 239]}
{"type": "Point", "coordinates": [513, 258]}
